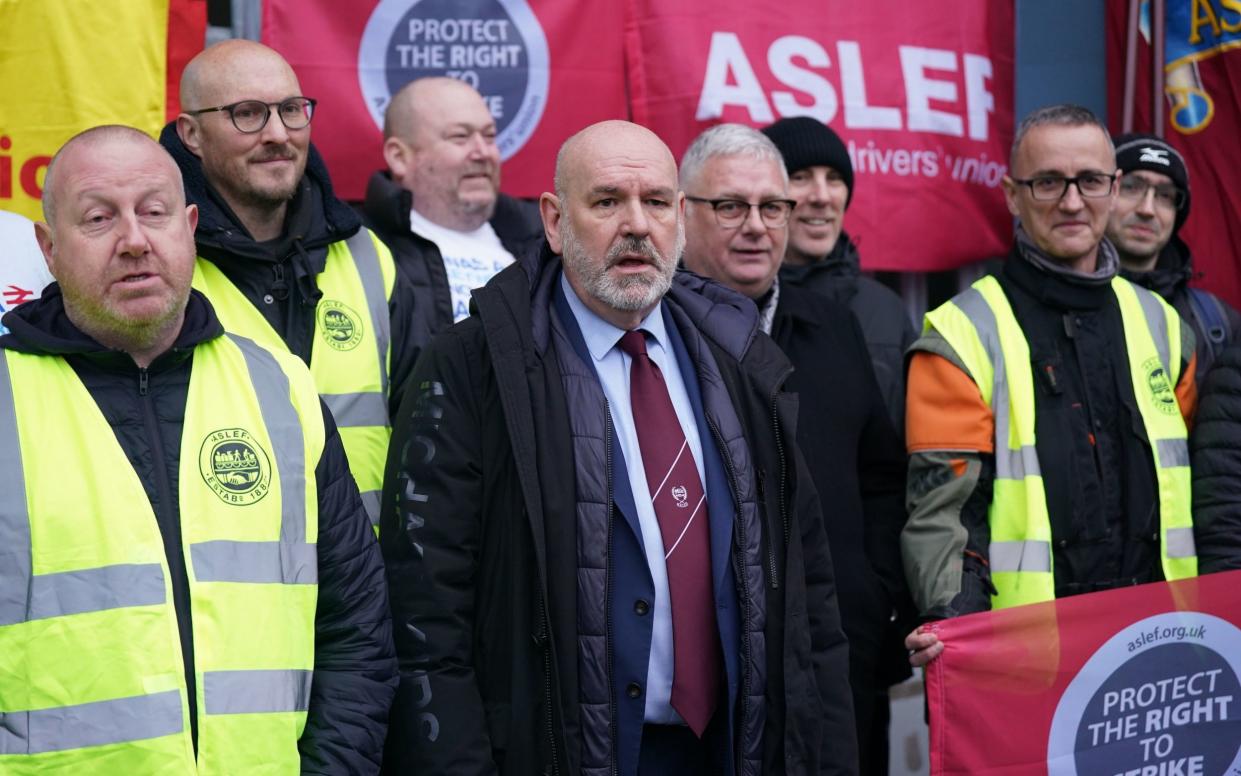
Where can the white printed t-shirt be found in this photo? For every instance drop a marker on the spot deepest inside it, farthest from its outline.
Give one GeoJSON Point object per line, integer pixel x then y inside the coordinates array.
{"type": "Point", "coordinates": [470, 258]}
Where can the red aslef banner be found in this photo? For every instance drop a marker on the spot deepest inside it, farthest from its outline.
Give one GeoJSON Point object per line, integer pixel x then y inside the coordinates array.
{"type": "Point", "coordinates": [545, 68]}
{"type": "Point", "coordinates": [1140, 681]}
{"type": "Point", "coordinates": [921, 93]}
{"type": "Point", "coordinates": [1202, 120]}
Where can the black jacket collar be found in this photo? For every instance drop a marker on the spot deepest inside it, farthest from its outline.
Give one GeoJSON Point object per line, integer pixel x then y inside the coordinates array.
{"type": "Point", "coordinates": [1172, 272]}
{"type": "Point", "coordinates": [41, 327]}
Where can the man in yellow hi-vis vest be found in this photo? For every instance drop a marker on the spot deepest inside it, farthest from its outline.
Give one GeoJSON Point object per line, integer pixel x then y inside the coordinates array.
{"type": "Point", "coordinates": [1048, 406]}
{"type": "Point", "coordinates": [188, 581]}
{"type": "Point", "coordinates": [284, 261]}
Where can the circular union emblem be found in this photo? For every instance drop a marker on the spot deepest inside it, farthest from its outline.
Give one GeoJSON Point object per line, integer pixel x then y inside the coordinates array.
{"type": "Point", "coordinates": [235, 466]}
{"type": "Point", "coordinates": [1160, 697]}
{"type": "Point", "coordinates": [1161, 391]}
{"type": "Point", "coordinates": [339, 325]}
{"type": "Point", "coordinates": [496, 46]}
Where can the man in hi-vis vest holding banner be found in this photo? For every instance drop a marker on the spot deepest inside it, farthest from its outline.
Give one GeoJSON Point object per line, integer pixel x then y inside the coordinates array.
{"type": "Point", "coordinates": [1048, 406]}
{"type": "Point", "coordinates": [188, 580]}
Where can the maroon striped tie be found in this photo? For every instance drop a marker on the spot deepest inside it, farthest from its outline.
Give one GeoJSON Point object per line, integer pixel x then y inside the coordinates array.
{"type": "Point", "coordinates": [681, 508]}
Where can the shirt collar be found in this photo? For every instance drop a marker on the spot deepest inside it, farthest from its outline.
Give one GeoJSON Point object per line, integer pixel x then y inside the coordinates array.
{"type": "Point", "coordinates": [601, 336]}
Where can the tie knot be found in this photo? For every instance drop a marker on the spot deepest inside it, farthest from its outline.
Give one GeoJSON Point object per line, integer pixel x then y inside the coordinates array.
{"type": "Point", "coordinates": [633, 343]}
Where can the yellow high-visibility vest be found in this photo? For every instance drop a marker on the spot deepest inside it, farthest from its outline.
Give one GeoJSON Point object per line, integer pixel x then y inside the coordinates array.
{"type": "Point", "coordinates": [352, 347]}
{"type": "Point", "coordinates": [91, 669]}
{"type": "Point", "coordinates": [980, 326]}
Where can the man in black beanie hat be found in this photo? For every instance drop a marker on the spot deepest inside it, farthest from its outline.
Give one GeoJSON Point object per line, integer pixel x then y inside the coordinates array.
{"type": "Point", "coordinates": [822, 258]}
{"type": "Point", "coordinates": [1151, 207]}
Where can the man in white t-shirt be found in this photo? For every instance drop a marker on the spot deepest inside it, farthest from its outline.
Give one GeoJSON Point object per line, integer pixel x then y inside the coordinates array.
{"type": "Point", "coordinates": [438, 205]}
{"type": "Point", "coordinates": [23, 272]}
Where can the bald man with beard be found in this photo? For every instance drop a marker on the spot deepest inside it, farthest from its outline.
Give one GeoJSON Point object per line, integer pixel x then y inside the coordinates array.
{"type": "Point", "coordinates": [604, 550]}
{"type": "Point", "coordinates": [282, 259]}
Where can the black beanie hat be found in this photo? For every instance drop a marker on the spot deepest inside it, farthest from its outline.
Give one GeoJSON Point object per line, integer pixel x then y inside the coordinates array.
{"type": "Point", "coordinates": [806, 142]}
{"type": "Point", "coordinates": [1135, 151]}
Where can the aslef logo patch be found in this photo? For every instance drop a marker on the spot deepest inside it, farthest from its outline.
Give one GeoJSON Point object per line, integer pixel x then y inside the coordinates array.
{"type": "Point", "coordinates": [1161, 697]}
{"type": "Point", "coordinates": [1161, 393]}
{"type": "Point", "coordinates": [339, 325]}
{"type": "Point", "coordinates": [496, 46]}
{"type": "Point", "coordinates": [235, 466]}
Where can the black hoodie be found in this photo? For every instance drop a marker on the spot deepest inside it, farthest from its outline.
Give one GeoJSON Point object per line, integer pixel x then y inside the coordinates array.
{"type": "Point", "coordinates": [881, 313]}
{"type": "Point", "coordinates": [145, 407]}
{"type": "Point", "coordinates": [279, 276]}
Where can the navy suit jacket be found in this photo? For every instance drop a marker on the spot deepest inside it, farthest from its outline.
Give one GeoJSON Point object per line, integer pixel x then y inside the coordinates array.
{"type": "Point", "coordinates": [629, 578]}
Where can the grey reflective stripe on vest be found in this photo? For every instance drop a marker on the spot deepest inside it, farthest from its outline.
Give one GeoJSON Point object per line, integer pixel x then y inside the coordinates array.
{"type": "Point", "coordinates": [1157, 322]}
{"type": "Point", "coordinates": [1180, 543]}
{"type": "Point", "coordinates": [290, 560]}
{"type": "Point", "coordinates": [1020, 556]}
{"type": "Point", "coordinates": [26, 596]}
{"type": "Point", "coordinates": [366, 259]}
{"type": "Point", "coordinates": [352, 410]}
{"type": "Point", "coordinates": [1172, 452]}
{"type": "Point", "coordinates": [1009, 464]}
{"type": "Point", "coordinates": [91, 724]}
{"type": "Point", "coordinates": [256, 692]}
{"type": "Point", "coordinates": [255, 562]}
{"type": "Point", "coordinates": [16, 561]}
{"type": "Point", "coordinates": [371, 500]}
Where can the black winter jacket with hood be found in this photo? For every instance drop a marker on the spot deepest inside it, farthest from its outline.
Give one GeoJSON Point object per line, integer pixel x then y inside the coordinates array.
{"type": "Point", "coordinates": [355, 669]}
{"type": "Point", "coordinates": [386, 212]}
{"type": "Point", "coordinates": [279, 276]}
{"type": "Point", "coordinates": [885, 323]}
{"type": "Point", "coordinates": [481, 545]}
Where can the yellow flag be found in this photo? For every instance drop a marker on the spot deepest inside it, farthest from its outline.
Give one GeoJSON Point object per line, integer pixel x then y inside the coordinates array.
{"type": "Point", "coordinates": [66, 66]}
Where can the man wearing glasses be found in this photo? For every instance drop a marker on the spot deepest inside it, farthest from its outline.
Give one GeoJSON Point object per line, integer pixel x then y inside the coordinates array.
{"type": "Point", "coordinates": [1048, 406]}
{"type": "Point", "coordinates": [1152, 205]}
{"type": "Point", "coordinates": [281, 258]}
{"type": "Point", "coordinates": [737, 224]}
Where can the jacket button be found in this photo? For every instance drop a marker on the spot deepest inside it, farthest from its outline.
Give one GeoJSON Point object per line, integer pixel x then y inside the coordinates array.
{"type": "Point", "coordinates": [641, 607]}
{"type": "Point", "coordinates": [634, 690]}
{"type": "Point", "coordinates": [1062, 543]}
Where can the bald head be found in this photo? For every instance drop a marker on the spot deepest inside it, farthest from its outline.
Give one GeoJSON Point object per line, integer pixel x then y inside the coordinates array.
{"type": "Point", "coordinates": [213, 77]}
{"type": "Point", "coordinates": [425, 99]}
{"type": "Point", "coordinates": [609, 139]}
{"type": "Point", "coordinates": [92, 140]}
{"type": "Point", "coordinates": [440, 144]}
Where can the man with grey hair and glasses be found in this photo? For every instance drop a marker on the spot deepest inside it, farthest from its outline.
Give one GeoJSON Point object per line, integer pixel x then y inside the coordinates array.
{"type": "Point", "coordinates": [1048, 406]}
{"type": "Point", "coordinates": [737, 218]}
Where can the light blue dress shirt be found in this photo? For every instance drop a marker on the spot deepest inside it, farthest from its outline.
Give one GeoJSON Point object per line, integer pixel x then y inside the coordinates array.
{"type": "Point", "coordinates": [612, 366]}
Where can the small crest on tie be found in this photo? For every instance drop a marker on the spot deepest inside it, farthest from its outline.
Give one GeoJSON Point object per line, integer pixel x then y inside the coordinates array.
{"type": "Point", "coordinates": [681, 494]}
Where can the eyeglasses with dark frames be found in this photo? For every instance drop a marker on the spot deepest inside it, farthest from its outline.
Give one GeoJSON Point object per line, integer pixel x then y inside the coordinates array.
{"type": "Point", "coordinates": [1133, 188]}
{"type": "Point", "coordinates": [730, 213]}
{"type": "Point", "coordinates": [1050, 188]}
{"type": "Point", "coordinates": [250, 116]}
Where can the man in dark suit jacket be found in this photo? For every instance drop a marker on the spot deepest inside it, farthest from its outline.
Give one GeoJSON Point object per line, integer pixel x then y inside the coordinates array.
{"type": "Point", "coordinates": [604, 550]}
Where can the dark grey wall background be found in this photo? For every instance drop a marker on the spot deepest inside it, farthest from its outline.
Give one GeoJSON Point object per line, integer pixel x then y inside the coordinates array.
{"type": "Point", "coordinates": [1061, 55]}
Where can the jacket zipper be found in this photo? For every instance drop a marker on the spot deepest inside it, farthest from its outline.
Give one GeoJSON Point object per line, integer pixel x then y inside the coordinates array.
{"type": "Point", "coordinates": [744, 597]}
{"type": "Point", "coordinates": [784, 474]}
{"type": "Point", "coordinates": [543, 637]}
{"type": "Point", "coordinates": [607, 584]}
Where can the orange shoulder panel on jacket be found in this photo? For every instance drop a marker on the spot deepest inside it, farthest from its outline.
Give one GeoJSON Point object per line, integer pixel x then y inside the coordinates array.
{"type": "Point", "coordinates": [943, 408]}
{"type": "Point", "coordinates": [1187, 391]}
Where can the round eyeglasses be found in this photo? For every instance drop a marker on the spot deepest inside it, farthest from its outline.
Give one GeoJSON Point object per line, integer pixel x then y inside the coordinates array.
{"type": "Point", "coordinates": [250, 116]}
